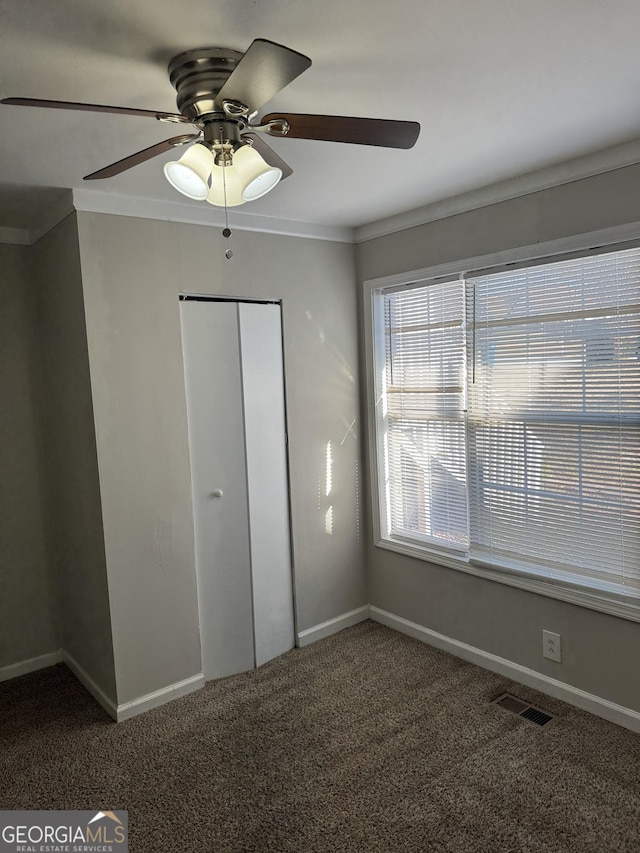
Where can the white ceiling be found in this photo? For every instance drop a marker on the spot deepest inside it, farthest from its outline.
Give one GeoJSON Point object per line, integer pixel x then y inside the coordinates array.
{"type": "Point", "coordinates": [501, 88]}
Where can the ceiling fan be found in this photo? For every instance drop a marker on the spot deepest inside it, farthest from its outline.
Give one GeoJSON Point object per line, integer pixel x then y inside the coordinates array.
{"type": "Point", "coordinates": [219, 93]}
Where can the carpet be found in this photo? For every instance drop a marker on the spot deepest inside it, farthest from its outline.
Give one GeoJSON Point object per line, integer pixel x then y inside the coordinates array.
{"type": "Point", "coordinates": [365, 741]}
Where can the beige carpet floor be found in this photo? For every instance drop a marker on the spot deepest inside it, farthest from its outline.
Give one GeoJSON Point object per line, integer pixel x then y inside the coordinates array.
{"type": "Point", "coordinates": [366, 741]}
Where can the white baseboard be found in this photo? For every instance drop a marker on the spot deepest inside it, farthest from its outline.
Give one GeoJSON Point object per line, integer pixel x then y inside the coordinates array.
{"type": "Point", "coordinates": [61, 656]}
{"type": "Point", "coordinates": [23, 667]}
{"type": "Point", "coordinates": [332, 626]}
{"type": "Point", "coordinates": [118, 712]}
{"type": "Point", "coordinates": [159, 697]}
{"type": "Point", "coordinates": [98, 694]}
{"type": "Point", "coordinates": [611, 711]}
{"type": "Point", "coordinates": [626, 717]}
{"type": "Point", "coordinates": [136, 706]}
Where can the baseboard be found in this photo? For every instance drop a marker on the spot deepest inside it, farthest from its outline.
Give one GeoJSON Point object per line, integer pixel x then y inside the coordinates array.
{"type": "Point", "coordinates": [332, 626]}
{"type": "Point", "coordinates": [159, 697]}
{"type": "Point", "coordinates": [24, 667]}
{"type": "Point", "coordinates": [610, 711]}
{"type": "Point", "coordinates": [626, 717]}
{"type": "Point", "coordinates": [136, 706]}
{"type": "Point", "coordinates": [85, 679]}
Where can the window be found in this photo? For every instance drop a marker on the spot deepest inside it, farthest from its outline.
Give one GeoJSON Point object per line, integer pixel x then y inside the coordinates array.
{"type": "Point", "coordinates": [508, 421]}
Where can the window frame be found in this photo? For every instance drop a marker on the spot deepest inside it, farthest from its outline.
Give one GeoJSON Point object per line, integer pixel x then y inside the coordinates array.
{"type": "Point", "coordinates": [599, 242]}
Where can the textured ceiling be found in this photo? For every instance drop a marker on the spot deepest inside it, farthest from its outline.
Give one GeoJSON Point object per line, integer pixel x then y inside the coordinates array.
{"type": "Point", "coordinates": [501, 88]}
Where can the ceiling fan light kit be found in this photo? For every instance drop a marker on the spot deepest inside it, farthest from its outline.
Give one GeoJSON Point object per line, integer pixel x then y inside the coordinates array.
{"type": "Point", "coordinates": [225, 187]}
{"type": "Point", "coordinates": [257, 177]}
{"type": "Point", "coordinates": [242, 176]}
{"type": "Point", "coordinates": [219, 92]}
{"type": "Point", "coordinates": [190, 174]}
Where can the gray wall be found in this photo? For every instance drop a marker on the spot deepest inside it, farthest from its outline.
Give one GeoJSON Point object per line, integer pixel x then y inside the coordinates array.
{"type": "Point", "coordinates": [27, 593]}
{"type": "Point", "coordinates": [133, 270]}
{"type": "Point", "coordinates": [78, 544]}
{"type": "Point", "coordinates": [600, 652]}
{"type": "Point", "coordinates": [603, 201]}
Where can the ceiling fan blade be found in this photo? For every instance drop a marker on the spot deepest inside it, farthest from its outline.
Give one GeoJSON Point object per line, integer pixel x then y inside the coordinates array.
{"type": "Point", "coordinates": [263, 71]}
{"type": "Point", "coordinates": [268, 154]}
{"type": "Point", "coordinates": [140, 157]}
{"type": "Point", "coordinates": [361, 131]}
{"type": "Point", "coordinates": [92, 108]}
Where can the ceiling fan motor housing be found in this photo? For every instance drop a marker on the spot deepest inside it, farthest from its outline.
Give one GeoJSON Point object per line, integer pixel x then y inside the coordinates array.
{"type": "Point", "coordinates": [198, 75]}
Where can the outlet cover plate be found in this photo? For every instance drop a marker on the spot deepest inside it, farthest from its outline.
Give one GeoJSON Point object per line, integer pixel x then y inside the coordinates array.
{"type": "Point", "coordinates": [551, 646]}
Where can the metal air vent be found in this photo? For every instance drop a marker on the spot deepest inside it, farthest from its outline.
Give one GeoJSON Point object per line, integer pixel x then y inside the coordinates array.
{"type": "Point", "coordinates": [522, 709]}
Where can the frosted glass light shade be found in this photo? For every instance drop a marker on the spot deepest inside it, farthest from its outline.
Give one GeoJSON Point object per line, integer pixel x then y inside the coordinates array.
{"type": "Point", "coordinates": [190, 174]}
{"type": "Point", "coordinates": [256, 176]}
{"type": "Point", "coordinates": [219, 175]}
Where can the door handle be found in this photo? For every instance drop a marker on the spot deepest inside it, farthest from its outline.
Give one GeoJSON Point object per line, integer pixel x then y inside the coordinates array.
{"type": "Point", "coordinates": [216, 493]}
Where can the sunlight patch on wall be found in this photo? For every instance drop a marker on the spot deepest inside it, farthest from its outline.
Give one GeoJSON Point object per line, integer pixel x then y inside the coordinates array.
{"type": "Point", "coordinates": [328, 469]}
{"type": "Point", "coordinates": [328, 521]}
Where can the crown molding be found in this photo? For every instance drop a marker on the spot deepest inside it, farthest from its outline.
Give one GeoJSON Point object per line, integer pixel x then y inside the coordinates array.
{"type": "Point", "coordinates": [543, 179]}
{"type": "Point", "coordinates": [53, 214]}
{"type": "Point", "coordinates": [94, 201]}
{"type": "Point", "coordinates": [50, 216]}
{"type": "Point", "coordinates": [18, 236]}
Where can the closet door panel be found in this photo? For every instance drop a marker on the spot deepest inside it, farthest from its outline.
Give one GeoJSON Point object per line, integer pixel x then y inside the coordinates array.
{"type": "Point", "coordinates": [267, 478]}
{"type": "Point", "coordinates": [213, 377]}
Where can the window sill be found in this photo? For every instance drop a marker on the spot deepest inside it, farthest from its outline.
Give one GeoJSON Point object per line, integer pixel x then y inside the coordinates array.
{"type": "Point", "coordinates": [570, 594]}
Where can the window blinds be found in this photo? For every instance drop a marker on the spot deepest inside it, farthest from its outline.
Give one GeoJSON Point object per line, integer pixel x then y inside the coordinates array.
{"type": "Point", "coordinates": [424, 425]}
{"type": "Point", "coordinates": [510, 419]}
{"type": "Point", "coordinates": [554, 422]}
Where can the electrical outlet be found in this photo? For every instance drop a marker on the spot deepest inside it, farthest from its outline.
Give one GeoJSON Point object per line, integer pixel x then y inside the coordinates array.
{"type": "Point", "coordinates": [551, 646]}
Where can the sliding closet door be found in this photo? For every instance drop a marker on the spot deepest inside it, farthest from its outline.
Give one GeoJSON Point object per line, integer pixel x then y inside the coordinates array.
{"type": "Point", "coordinates": [237, 448]}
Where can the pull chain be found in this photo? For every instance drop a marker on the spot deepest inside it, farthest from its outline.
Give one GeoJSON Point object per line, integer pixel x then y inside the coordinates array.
{"type": "Point", "coordinates": [227, 231]}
